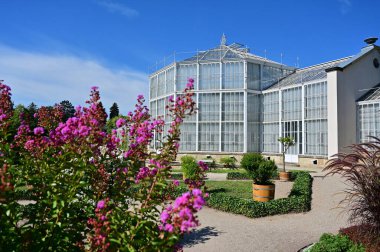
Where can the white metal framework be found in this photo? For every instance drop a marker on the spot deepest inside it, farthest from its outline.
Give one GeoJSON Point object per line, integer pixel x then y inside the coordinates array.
{"type": "Point", "coordinates": [245, 102]}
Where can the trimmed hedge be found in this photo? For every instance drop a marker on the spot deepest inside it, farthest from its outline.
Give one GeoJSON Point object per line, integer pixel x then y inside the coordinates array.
{"type": "Point", "coordinates": [176, 176]}
{"type": "Point", "coordinates": [238, 176]}
{"type": "Point", "coordinates": [299, 200]}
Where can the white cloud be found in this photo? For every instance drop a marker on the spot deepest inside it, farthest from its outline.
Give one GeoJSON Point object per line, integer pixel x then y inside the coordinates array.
{"type": "Point", "coordinates": [47, 79]}
{"type": "Point", "coordinates": [118, 8]}
{"type": "Point", "coordinates": [345, 6]}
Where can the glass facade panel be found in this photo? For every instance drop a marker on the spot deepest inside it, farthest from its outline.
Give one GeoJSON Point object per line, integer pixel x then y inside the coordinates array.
{"type": "Point", "coordinates": [232, 137]}
{"type": "Point", "coordinates": [170, 74]}
{"type": "Point", "coordinates": [270, 136]}
{"type": "Point", "coordinates": [292, 104]}
{"type": "Point", "coordinates": [271, 107]}
{"type": "Point", "coordinates": [253, 75]}
{"type": "Point", "coordinates": [316, 137]}
{"type": "Point", "coordinates": [153, 87]}
{"type": "Point", "coordinates": [208, 107]}
{"type": "Point", "coordinates": [293, 129]}
{"type": "Point", "coordinates": [369, 121]}
{"type": "Point", "coordinates": [184, 73]}
{"type": "Point", "coordinates": [209, 76]}
{"type": "Point", "coordinates": [233, 75]}
{"type": "Point", "coordinates": [316, 101]}
{"type": "Point", "coordinates": [208, 137]}
{"type": "Point", "coordinates": [233, 107]}
{"type": "Point", "coordinates": [253, 122]}
{"type": "Point", "coordinates": [188, 137]}
{"type": "Point", "coordinates": [161, 89]}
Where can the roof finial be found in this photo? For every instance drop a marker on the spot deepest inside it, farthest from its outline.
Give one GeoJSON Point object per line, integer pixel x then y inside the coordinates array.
{"type": "Point", "coordinates": [223, 40]}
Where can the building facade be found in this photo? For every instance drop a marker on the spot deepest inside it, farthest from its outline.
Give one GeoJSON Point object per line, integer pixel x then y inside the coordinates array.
{"type": "Point", "coordinates": [246, 102]}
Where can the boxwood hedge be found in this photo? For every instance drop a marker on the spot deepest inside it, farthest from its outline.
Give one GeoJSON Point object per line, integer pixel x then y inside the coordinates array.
{"type": "Point", "coordinates": [238, 176]}
{"type": "Point", "coordinates": [299, 200]}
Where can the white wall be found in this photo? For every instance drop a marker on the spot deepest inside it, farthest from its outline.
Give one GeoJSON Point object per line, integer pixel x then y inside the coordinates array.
{"type": "Point", "coordinates": [355, 77]}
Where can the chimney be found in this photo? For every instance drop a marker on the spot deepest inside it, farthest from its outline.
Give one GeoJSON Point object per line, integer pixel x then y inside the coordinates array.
{"type": "Point", "coordinates": [370, 41]}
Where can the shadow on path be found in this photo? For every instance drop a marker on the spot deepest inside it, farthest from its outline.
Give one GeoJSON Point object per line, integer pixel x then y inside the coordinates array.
{"type": "Point", "coordinates": [199, 236]}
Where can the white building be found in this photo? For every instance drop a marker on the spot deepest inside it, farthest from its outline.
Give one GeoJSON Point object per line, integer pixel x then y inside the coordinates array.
{"type": "Point", "coordinates": [246, 102]}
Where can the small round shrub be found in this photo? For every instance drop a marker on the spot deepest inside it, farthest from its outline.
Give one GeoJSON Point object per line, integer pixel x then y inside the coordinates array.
{"type": "Point", "coordinates": [251, 161]}
{"type": "Point", "coordinates": [189, 166]}
{"type": "Point", "coordinates": [265, 172]}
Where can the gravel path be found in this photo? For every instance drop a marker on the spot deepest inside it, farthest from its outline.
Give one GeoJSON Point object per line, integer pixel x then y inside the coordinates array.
{"type": "Point", "coordinates": [222, 231]}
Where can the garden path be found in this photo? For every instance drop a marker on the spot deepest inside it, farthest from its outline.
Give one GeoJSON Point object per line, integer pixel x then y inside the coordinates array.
{"type": "Point", "coordinates": [220, 231]}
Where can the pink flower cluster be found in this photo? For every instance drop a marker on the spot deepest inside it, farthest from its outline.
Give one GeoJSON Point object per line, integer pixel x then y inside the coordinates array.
{"type": "Point", "coordinates": [141, 130]}
{"type": "Point", "coordinates": [5, 104]}
{"type": "Point", "coordinates": [101, 226]}
{"type": "Point", "coordinates": [180, 217]}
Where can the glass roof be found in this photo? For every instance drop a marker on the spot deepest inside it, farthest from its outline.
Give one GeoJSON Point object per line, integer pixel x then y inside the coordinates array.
{"type": "Point", "coordinates": [233, 51]}
{"type": "Point", "coordinates": [372, 95]}
{"type": "Point", "coordinates": [308, 74]}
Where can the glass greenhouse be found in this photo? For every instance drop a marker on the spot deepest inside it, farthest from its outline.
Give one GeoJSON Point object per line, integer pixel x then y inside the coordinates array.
{"type": "Point", "coordinates": [246, 102]}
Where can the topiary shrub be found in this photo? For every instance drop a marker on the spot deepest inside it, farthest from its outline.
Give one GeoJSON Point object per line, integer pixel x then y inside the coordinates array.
{"type": "Point", "coordinates": [189, 166]}
{"type": "Point", "coordinates": [251, 161]}
{"type": "Point", "coordinates": [265, 172]}
{"type": "Point", "coordinates": [261, 170]}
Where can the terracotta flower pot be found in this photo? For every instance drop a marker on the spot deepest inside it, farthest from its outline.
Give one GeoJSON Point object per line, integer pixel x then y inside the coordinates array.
{"type": "Point", "coordinates": [284, 176]}
{"type": "Point", "coordinates": [263, 193]}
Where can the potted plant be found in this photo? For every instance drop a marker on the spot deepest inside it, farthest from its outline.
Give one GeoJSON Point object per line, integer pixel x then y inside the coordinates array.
{"type": "Point", "coordinates": [286, 143]}
{"type": "Point", "coordinates": [261, 171]}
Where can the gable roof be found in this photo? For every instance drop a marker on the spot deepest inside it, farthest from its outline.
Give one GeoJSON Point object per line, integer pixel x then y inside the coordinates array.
{"type": "Point", "coordinates": [363, 51]}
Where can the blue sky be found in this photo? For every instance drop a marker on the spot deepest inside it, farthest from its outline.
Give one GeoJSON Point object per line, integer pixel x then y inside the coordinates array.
{"type": "Point", "coordinates": [56, 50]}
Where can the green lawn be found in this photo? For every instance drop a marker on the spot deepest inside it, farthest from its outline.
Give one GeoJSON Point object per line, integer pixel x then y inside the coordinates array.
{"type": "Point", "coordinates": [218, 170]}
{"type": "Point", "coordinates": [241, 189]}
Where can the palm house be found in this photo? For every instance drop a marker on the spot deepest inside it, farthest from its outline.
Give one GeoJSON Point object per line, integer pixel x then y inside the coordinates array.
{"type": "Point", "coordinates": [246, 102]}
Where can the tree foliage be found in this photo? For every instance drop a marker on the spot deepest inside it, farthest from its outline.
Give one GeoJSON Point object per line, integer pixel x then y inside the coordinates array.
{"type": "Point", "coordinates": [114, 110]}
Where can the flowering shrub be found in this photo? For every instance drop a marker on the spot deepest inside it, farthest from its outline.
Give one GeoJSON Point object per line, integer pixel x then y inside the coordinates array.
{"type": "Point", "coordinates": [86, 192]}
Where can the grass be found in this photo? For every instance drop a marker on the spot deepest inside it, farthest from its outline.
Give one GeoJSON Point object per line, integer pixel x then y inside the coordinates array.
{"type": "Point", "coordinates": [218, 170]}
{"type": "Point", "coordinates": [240, 189]}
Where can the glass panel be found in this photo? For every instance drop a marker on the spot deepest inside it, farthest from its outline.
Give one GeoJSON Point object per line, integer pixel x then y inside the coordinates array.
{"type": "Point", "coordinates": [232, 137]}
{"type": "Point", "coordinates": [184, 73]}
{"type": "Point", "coordinates": [271, 107]}
{"type": "Point", "coordinates": [270, 137]}
{"type": "Point", "coordinates": [253, 75]}
{"type": "Point", "coordinates": [188, 137]}
{"type": "Point", "coordinates": [208, 107]}
{"type": "Point", "coordinates": [291, 104]}
{"type": "Point", "coordinates": [233, 75]}
{"type": "Point", "coordinates": [161, 84]}
{"type": "Point", "coordinates": [209, 76]}
{"type": "Point", "coordinates": [208, 137]}
{"type": "Point", "coordinates": [170, 80]}
{"type": "Point", "coordinates": [233, 107]}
